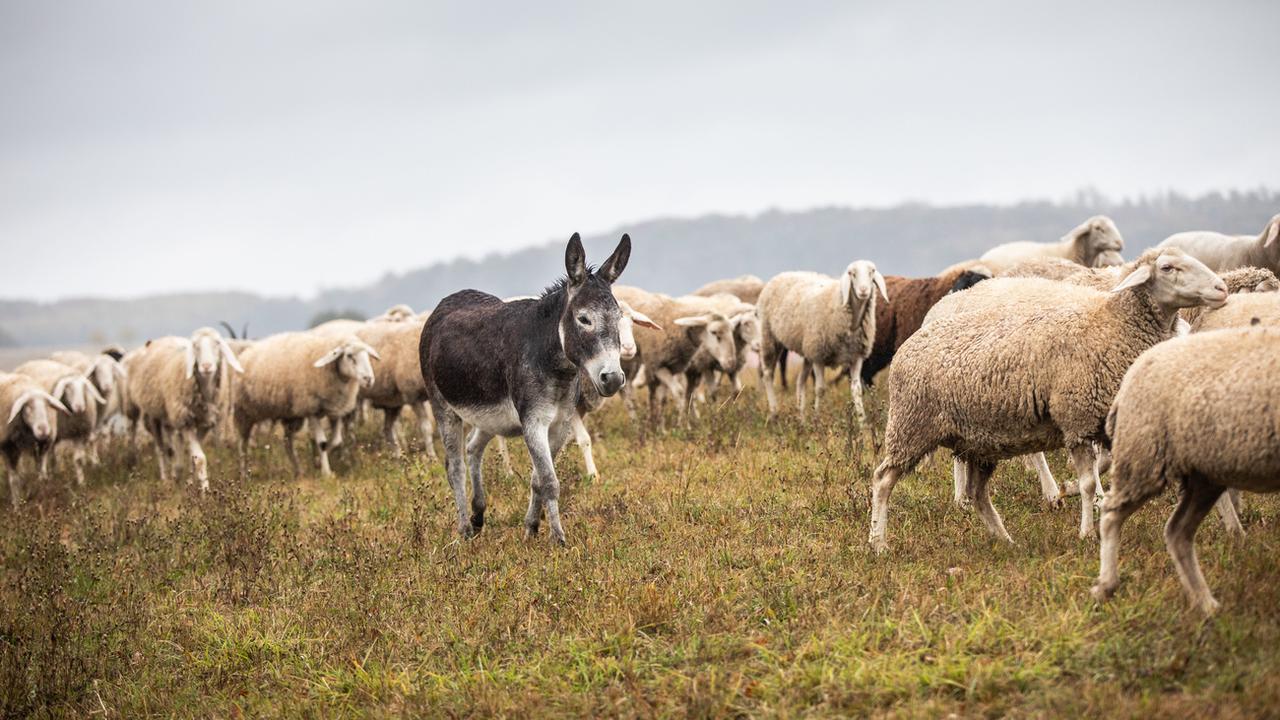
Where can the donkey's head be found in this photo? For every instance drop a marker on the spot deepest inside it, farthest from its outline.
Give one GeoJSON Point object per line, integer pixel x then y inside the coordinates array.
{"type": "Point", "coordinates": [589, 323]}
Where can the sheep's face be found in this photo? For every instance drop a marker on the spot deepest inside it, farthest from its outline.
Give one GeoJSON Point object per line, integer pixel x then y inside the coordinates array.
{"type": "Point", "coordinates": [1096, 236]}
{"type": "Point", "coordinates": [713, 332]}
{"type": "Point", "coordinates": [626, 329]}
{"type": "Point", "coordinates": [590, 336]}
{"type": "Point", "coordinates": [859, 281]}
{"type": "Point", "coordinates": [35, 410]}
{"type": "Point", "coordinates": [73, 393]}
{"type": "Point", "coordinates": [747, 330]}
{"type": "Point", "coordinates": [1177, 280]}
{"type": "Point", "coordinates": [103, 373]}
{"type": "Point", "coordinates": [397, 313]}
{"type": "Point", "coordinates": [352, 360]}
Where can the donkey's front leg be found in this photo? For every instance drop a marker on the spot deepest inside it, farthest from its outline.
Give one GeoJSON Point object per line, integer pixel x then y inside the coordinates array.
{"type": "Point", "coordinates": [544, 444]}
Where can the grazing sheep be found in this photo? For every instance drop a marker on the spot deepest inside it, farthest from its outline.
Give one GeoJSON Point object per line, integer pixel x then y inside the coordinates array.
{"type": "Point", "coordinates": [690, 324]}
{"type": "Point", "coordinates": [299, 376]}
{"type": "Point", "coordinates": [746, 288]}
{"type": "Point", "coordinates": [79, 396]}
{"type": "Point", "coordinates": [173, 390]}
{"type": "Point", "coordinates": [1226, 252]}
{"type": "Point", "coordinates": [109, 378]}
{"type": "Point", "coordinates": [703, 365]}
{"type": "Point", "coordinates": [899, 318]}
{"type": "Point", "coordinates": [30, 426]}
{"type": "Point", "coordinates": [1029, 376]}
{"type": "Point", "coordinates": [827, 321]}
{"type": "Point", "coordinates": [1201, 414]}
{"type": "Point", "coordinates": [1097, 236]}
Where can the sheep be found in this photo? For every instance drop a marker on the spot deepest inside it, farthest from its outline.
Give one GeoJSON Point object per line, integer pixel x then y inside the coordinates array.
{"type": "Point", "coordinates": [827, 321]}
{"type": "Point", "coordinates": [1094, 242]}
{"type": "Point", "coordinates": [898, 319]}
{"type": "Point", "coordinates": [745, 336]}
{"type": "Point", "coordinates": [109, 379]}
{"type": "Point", "coordinates": [1198, 413]}
{"type": "Point", "coordinates": [1028, 376]}
{"type": "Point", "coordinates": [174, 391]}
{"type": "Point", "coordinates": [397, 379]}
{"type": "Point", "coordinates": [79, 396]}
{"type": "Point", "coordinates": [1226, 252]}
{"type": "Point", "coordinates": [396, 313]}
{"type": "Point", "coordinates": [30, 425]}
{"type": "Point", "coordinates": [299, 376]}
{"type": "Point", "coordinates": [1241, 310]}
{"type": "Point", "coordinates": [690, 324]}
{"type": "Point", "coordinates": [745, 287]}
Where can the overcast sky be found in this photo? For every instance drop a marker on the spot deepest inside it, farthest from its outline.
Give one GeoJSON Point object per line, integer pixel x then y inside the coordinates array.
{"type": "Point", "coordinates": [282, 147]}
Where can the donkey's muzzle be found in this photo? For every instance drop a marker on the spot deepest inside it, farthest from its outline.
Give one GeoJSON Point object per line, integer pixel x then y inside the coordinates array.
{"type": "Point", "coordinates": [611, 382]}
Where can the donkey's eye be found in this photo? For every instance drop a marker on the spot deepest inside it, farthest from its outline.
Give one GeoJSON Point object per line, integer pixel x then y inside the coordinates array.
{"type": "Point", "coordinates": [584, 320]}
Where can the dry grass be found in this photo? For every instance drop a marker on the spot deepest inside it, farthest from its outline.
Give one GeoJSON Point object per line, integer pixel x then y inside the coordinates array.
{"type": "Point", "coordinates": [722, 571]}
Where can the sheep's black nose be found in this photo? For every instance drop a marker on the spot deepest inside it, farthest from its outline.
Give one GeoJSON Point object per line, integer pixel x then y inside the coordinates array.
{"type": "Point", "coordinates": [611, 382]}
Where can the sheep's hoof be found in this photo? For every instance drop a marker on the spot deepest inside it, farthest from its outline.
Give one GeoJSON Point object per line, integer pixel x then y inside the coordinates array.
{"type": "Point", "coordinates": [879, 546]}
{"type": "Point", "coordinates": [1070, 489]}
{"type": "Point", "coordinates": [1209, 606]}
{"type": "Point", "coordinates": [1088, 533]}
{"type": "Point", "coordinates": [1055, 502]}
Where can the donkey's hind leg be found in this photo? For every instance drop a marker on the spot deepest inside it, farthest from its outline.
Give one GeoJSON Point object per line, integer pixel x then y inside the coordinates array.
{"type": "Point", "coordinates": [475, 464]}
{"type": "Point", "coordinates": [451, 436]}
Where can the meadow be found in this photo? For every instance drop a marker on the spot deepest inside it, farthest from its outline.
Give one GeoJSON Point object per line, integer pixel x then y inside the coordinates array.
{"type": "Point", "coordinates": [719, 571]}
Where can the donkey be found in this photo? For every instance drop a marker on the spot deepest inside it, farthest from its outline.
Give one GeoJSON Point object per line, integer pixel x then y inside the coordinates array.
{"type": "Point", "coordinates": [515, 369]}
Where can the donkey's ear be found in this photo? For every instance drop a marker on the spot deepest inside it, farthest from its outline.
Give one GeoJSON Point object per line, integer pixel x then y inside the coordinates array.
{"type": "Point", "coordinates": [575, 261]}
{"type": "Point", "coordinates": [617, 262]}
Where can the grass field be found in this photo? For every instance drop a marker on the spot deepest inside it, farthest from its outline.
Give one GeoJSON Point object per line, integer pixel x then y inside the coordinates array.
{"type": "Point", "coordinates": [721, 571]}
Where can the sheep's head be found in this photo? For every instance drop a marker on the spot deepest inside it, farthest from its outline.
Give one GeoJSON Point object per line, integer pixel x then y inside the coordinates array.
{"type": "Point", "coordinates": [205, 352]}
{"type": "Point", "coordinates": [713, 332]}
{"type": "Point", "coordinates": [397, 313]}
{"type": "Point", "coordinates": [746, 329]}
{"type": "Point", "coordinates": [1269, 238]}
{"type": "Point", "coordinates": [970, 277]}
{"type": "Point", "coordinates": [1175, 280]}
{"type": "Point", "coordinates": [75, 392]}
{"type": "Point", "coordinates": [860, 279]}
{"type": "Point", "coordinates": [34, 408]}
{"type": "Point", "coordinates": [1250, 280]}
{"type": "Point", "coordinates": [1094, 237]}
{"type": "Point", "coordinates": [352, 360]}
{"type": "Point", "coordinates": [626, 329]}
{"type": "Point", "coordinates": [105, 372]}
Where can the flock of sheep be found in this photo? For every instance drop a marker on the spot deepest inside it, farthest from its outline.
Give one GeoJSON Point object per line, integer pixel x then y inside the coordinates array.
{"type": "Point", "coordinates": [1160, 370]}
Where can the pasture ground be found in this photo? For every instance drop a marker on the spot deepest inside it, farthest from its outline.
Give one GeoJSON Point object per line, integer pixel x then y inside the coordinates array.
{"type": "Point", "coordinates": [720, 571]}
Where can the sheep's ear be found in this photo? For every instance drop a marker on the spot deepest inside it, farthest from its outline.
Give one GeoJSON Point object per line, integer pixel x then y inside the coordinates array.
{"type": "Point", "coordinates": [329, 357]}
{"type": "Point", "coordinates": [1181, 327]}
{"type": "Point", "coordinates": [1079, 231]}
{"type": "Point", "coordinates": [617, 262]}
{"type": "Point", "coordinates": [372, 353]}
{"type": "Point", "coordinates": [693, 321]}
{"type": "Point", "coordinates": [1272, 232]}
{"type": "Point", "coordinates": [1135, 278]}
{"type": "Point", "coordinates": [878, 279]}
{"type": "Point", "coordinates": [18, 404]}
{"type": "Point", "coordinates": [643, 320]}
{"type": "Point", "coordinates": [61, 386]}
{"type": "Point", "coordinates": [93, 392]}
{"type": "Point", "coordinates": [118, 368]}
{"type": "Point", "coordinates": [190, 350]}
{"type": "Point", "coordinates": [575, 261]}
{"type": "Point", "coordinates": [846, 288]}
{"type": "Point", "coordinates": [56, 403]}
{"type": "Point", "coordinates": [229, 355]}
{"type": "Point", "coordinates": [739, 318]}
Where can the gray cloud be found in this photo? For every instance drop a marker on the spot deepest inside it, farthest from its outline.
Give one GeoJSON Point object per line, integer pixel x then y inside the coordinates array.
{"type": "Point", "coordinates": [286, 146]}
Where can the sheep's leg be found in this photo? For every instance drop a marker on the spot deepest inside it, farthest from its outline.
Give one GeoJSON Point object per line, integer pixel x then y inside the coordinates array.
{"type": "Point", "coordinates": [291, 427]}
{"type": "Point", "coordinates": [1237, 499]}
{"type": "Point", "coordinates": [506, 457]}
{"type": "Point", "coordinates": [79, 456]}
{"type": "Point", "coordinates": [425, 426]}
{"type": "Point", "coordinates": [1037, 463]}
{"type": "Point", "coordinates": [339, 426]}
{"type": "Point", "coordinates": [805, 371]}
{"type": "Point", "coordinates": [960, 482]}
{"type": "Point", "coordinates": [244, 430]}
{"type": "Point", "coordinates": [389, 417]}
{"type": "Point", "coordinates": [767, 367]}
{"type": "Point", "coordinates": [544, 443]}
{"type": "Point", "coordinates": [322, 444]}
{"type": "Point", "coordinates": [43, 464]}
{"type": "Point", "coordinates": [583, 437]}
{"type": "Point", "coordinates": [1114, 515]}
{"type": "Point", "coordinates": [855, 390]}
{"type": "Point", "coordinates": [691, 380]}
{"type": "Point", "coordinates": [819, 385]}
{"type": "Point", "coordinates": [1230, 520]}
{"type": "Point", "coordinates": [475, 463]}
{"type": "Point", "coordinates": [199, 463]}
{"type": "Point", "coordinates": [157, 434]}
{"type": "Point", "coordinates": [1083, 461]}
{"type": "Point", "coordinates": [980, 473]}
{"type": "Point", "coordinates": [882, 483]}
{"type": "Point", "coordinates": [668, 380]}
{"type": "Point", "coordinates": [1179, 537]}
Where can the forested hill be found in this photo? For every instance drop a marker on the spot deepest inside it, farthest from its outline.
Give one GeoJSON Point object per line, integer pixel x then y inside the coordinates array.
{"type": "Point", "coordinates": [670, 255]}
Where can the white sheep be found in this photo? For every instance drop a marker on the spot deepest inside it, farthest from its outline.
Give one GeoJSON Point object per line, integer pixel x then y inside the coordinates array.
{"type": "Point", "coordinates": [830, 322]}
{"type": "Point", "coordinates": [81, 399]}
{"type": "Point", "coordinates": [1028, 376]}
{"type": "Point", "coordinates": [30, 425]}
{"type": "Point", "coordinates": [173, 391]}
{"type": "Point", "coordinates": [1226, 252]}
{"type": "Point", "coordinates": [1198, 414]}
{"type": "Point", "coordinates": [1094, 242]}
{"type": "Point", "coordinates": [298, 377]}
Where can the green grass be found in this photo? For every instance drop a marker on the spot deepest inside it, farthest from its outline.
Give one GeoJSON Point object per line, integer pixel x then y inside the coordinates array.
{"type": "Point", "coordinates": [720, 571]}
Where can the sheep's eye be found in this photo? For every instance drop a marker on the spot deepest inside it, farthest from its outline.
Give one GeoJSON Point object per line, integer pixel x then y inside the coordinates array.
{"type": "Point", "coordinates": [1166, 268]}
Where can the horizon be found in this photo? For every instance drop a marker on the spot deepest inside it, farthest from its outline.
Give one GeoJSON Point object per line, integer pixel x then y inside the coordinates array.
{"type": "Point", "coordinates": [153, 148]}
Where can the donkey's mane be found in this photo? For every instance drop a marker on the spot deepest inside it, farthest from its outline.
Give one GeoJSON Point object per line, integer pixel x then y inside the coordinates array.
{"type": "Point", "coordinates": [562, 282]}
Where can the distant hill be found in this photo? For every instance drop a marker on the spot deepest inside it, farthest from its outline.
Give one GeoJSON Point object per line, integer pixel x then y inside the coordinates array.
{"type": "Point", "coordinates": [670, 255]}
